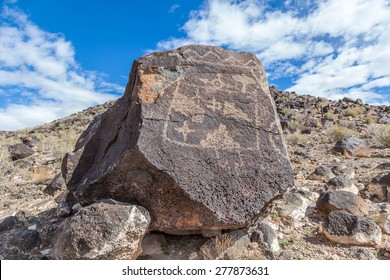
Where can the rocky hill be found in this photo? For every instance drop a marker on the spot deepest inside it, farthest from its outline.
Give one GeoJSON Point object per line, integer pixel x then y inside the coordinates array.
{"type": "Point", "coordinates": [338, 207]}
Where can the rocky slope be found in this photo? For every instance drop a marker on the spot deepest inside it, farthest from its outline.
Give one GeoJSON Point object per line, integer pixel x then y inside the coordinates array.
{"type": "Point", "coordinates": [338, 208]}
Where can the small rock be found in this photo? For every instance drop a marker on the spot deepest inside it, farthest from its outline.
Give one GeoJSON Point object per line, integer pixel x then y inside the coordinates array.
{"type": "Point", "coordinates": [64, 210]}
{"type": "Point", "coordinates": [359, 253]}
{"type": "Point", "coordinates": [341, 183]}
{"type": "Point", "coordinates": [266, 235]}
{"type": "Point", "coordinates": [293, 207]}
{"type": "Point", "coordinates": [48, 251]}
{"type": "Point", "coordinates": [104, 230]}
{"type": "Point", "coordinates": [322, 172]}
{"type": "Point", "coordinates": [378, 187]}
{"type": "Point", "coordinates": [349, 229]}
{"type": "Point", "coordinates": [19, 151]}
{"type": "Point", "coordinates": [31, 141]}
{"type": "Point", "coordinates": [32, 227]}
{"type": "Point", "coordinates": [27, 240]}
{"type": "Point", "coordinates": [344, 170]}
{"type": "Point", "coordinates": [76, 208]}
{"type": "Point", "coordinates": [193, 256]}
{"type": "Point", "coordinates": [352, 146]}
{"type": "Point", "coordinates": [56, 185]}
{"type": "Point", "coordinates": [8, 223]}
{"type": "Point", "coordinates": [341, 200]}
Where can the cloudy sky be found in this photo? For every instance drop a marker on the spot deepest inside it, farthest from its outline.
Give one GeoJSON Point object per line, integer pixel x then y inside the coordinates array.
{"type": "Point", "coordinates": [59, 57]}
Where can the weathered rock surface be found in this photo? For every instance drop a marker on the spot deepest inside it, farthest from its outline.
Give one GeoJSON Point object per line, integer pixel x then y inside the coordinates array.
{"type": "Point", "coordinates": [264, 234]}
{"type": "Point", "coordinates": [56, 186]}
{"type": "Point", "coordinates": [8, 223]}
{"type": "Point", "coordinates": [378, 188]}
{"type": "Point", "coordinates": [195, 140]}
{"type": "Point", "coordinates": [352, 146]}
{"type": "Point", "coordinates": [342, 200]}
{"type": "Point", "coordinates": [342, 184]}
{"type": "Point", "coordinates": [321, 172]}
{"type": "Point", "coordinates": [19, 151]}
{"type": "Point", "coordinates": [345, 228]}
{"type": "Point", "coordinates": [27, 240]}
{"type": "Point", "coordinates": [104, 230]}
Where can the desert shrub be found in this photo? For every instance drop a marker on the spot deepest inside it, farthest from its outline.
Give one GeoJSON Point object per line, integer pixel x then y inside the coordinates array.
{"type": "Point", "coordinates": [296, 139]}
{"type": "Point", "coordinates": [286, 111]}
{"type": "Point", "coordinates": [214, 249]}
{"type": "Point", "coordinates": [57, 145]}
{"type": "Point", "coordinates": [330, 116]}
{"type": "Point", "coordinates": [5, 160]}
{"type": "Point", "coordinates": [353, 112]}
{"type": "Point", "coordinates": [40, 175]}
{"type": "Point", "coordinates": [337, 133]}
{"type": "Point", "coordinates": [369, 119]}
{"type": "Point", "coordinates": [347, 124]}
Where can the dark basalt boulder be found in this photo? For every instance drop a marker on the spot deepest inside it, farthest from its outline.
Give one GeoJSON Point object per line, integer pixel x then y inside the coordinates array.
{"type": "Point", "coordinates": [195, 140]}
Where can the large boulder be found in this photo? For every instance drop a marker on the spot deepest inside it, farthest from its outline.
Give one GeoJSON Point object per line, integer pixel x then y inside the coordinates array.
{"type": "Point", "coordinates": [19, 151]}
{"type": "Point", "coordinates": [352, 146]}
{"type": "Point", "coordinates": [195, 140]}
{"type": "Point", "coordinates": [104, 230]}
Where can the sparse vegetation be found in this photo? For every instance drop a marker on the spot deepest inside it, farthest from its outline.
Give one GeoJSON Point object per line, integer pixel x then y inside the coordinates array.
{"type": "Point", "coordinates": [215, 248]}
{"type": "Point", "coordinates": [297, 139]}
{"type": "Point", "coordinates": [284, 243]}
{"type": "Point", "coordinates": [5, 160]}
{"type": "Point", "coordinates": [353, 112]}
{"type": "Point", "coordinates": [339, 132]}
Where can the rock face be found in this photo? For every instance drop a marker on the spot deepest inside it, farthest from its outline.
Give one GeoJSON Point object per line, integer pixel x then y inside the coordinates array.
{"type": "Point", "coordinates": [195, 140]}
{"type": "Point", "coordinates": [104, 230]}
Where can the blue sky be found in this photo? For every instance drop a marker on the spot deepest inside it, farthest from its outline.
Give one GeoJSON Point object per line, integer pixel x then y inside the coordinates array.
{"type": "Point", "coordinates": [60, 57]}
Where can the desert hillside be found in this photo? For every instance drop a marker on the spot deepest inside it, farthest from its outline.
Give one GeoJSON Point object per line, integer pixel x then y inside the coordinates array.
{"type": "Point", "coordinates": [299, 223]}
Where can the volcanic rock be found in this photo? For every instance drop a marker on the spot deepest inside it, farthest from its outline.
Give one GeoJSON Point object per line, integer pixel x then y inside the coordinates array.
{"type": "Point", "coordinates": [350, 229]}
{"type": "Point", "coordinates": [195, 140]}
{"type": "Point", "coordinates": [19, 151]}
{"type": "Point", "coordinates": [341, 200]}
{"type": "Point", "coordinates": [104, 230]}
{"type": "Point", "coordinates": [352, 146]}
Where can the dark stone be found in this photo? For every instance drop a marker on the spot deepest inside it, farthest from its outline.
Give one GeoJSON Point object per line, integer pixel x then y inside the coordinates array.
{"type": "Point", "coordinates": [321, 172]}
{"type": "Point", "coordinates": [104, 230]}
{"type": "Point", "coordinates": [345, 228]}
{"type": "Point", "coordinates": [195, 140]}
{"type": "Point", "coordinates": [378, 187]}
{"type": "Point", "coordinates": [56, 185]}
{"type": "Point", "coordinates": [31, 141]}
{"type": "Point", "coordinates": [27, 240]}
{"type": "Point", "coordinates": [352, 146]}
{"type": "Point", "coordinates": [341, 200]}
{"type": "Point", "coordinates": [19, 151]}
{"type": "Point", "coordinates": [8, 223]}
{"type": "Point", "coordinates": [339, 182]}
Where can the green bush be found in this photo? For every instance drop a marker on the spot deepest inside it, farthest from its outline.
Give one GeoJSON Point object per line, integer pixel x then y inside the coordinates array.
{"type": "Point", "coordinates": [339, 132]}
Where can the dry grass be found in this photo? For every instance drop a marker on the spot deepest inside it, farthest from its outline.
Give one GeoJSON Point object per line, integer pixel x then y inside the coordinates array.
{"type": "Point", "coordinates": [296, 139]}
{"type": "Point", "coordinates": [337, 133]}
{"type": "Point", "coordinates": [5, 160]}
{"type": "Point", "coordinates": [354, 112]}
{"type": "Point", "coordinates": [41, 175]}
{"type": "Point", "coordinates": [57, 145]}
{"type": "Point", "coordinates": [216, 247]}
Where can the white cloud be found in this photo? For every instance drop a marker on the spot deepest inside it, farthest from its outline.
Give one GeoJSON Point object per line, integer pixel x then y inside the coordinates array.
{"type": "Point", "coordinates": [39, 77]}
{"type": "Point", "coordinates": [329, 48]}
{"type": "Point", "coordinates": [173, 8]}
